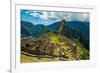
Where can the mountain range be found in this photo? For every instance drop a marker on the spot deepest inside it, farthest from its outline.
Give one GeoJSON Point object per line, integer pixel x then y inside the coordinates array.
{"type": "Point", "coordinates": [31, 29]}
{"type": "Point", "coordinates": [60, 41]}
{"type": "Point", "coordinates": [76, 30]}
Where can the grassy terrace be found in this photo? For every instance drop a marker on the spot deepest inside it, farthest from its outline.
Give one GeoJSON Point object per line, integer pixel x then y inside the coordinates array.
{"type": "Point", "coordinates": [81, 53]}
{"type": "Point", "coordinates": [55, 39]}
{"type": "Point", "coordinates": [29, 59]}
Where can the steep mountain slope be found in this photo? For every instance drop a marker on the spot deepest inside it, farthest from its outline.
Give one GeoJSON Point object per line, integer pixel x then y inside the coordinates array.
{"type": "Point", "coordinates": [80, 26]}
{"type": "Point", "coordinates": [58, 45]}
{"type": "Point", "coordinates": [53, 27]}
{"type": "Point", "coordinates": [75, 30]}
{"type": "Point", "coordinates": [75, 25]}
{"type": "Point", "coordinates": [29, 29]}
{"type": "Point", "coordinates": [78, 31]}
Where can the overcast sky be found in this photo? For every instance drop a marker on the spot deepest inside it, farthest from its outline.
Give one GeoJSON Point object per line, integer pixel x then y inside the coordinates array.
{"type": "Point", "coordinates": [49, 17]}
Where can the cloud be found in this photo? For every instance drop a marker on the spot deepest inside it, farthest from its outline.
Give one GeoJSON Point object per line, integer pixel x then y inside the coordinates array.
{"type": "Point", "coordinates": [86, 16]}
{"type": "Point", "coordinates": [80, 17]}
{"type": "Point", "coordinates": [65, 15]}
{"type": "Point", "coordinates": [26, 12]}
{"type": "Point", "coordinates": [52, 16]}
{"type": "Point", "coordinates": [34, 14]}
{"type": "Point", "coordinates": [41, 15]}
{"type": "Point", "coordinates": [44, 16]}
{"type": "Point", "coordinates": [48, 16]}
{"type": "Point", "coordinates": [73, 16]}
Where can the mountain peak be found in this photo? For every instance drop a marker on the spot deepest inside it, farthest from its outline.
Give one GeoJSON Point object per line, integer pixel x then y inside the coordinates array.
{"type": "Point", "coordinates": [61, 26]}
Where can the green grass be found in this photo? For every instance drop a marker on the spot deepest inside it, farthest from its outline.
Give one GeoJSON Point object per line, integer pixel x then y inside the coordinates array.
{"type": "Point", "coordinates": [55, 39]}
{"type": "Point", "coordinates": [82, 52]}
{"type": "Point", "coordinates": [29, 59]}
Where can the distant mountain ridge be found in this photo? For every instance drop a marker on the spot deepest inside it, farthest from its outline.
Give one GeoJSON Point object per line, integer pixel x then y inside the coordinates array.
{"type": "Point", "coordinates": [77, 25]}
{"type": "Point", "coordinates": [29, 29]}
{"type": "Point", "coordinates": [81, 26]}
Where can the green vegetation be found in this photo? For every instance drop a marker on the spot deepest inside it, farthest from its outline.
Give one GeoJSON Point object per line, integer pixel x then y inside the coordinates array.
{"type": "Point", "coordinates": [67, 49]}
{"type": "Point", "coordinates": [63, 44]}
{"type": "Point", "coordinates": [68, 52]}
{"type": "Point", "coordinates": [29, 59]}
{"type": "Point", "coordinates": [55, 39]}
{"type": "Point", "coordinates": [82, 53]}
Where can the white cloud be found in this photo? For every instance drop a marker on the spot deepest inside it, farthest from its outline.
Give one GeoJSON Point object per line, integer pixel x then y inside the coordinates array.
{"type": "Point", "coordinates": [76, 16]}
{"type": "Point", "coordinates": [27, 12]}
{"type": "Point", "coordinates": [34, 14]}
{"type": "Point", "coordinates": [85, 16]}
{"type": "Point", "coordinates": [68, 16]}
{"type": "Point", "coordinates": [44, 16]}
{"type": "Point", "coordinates": [48, 16]}
{"type": "Point", "coordinates": [52, 16]}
